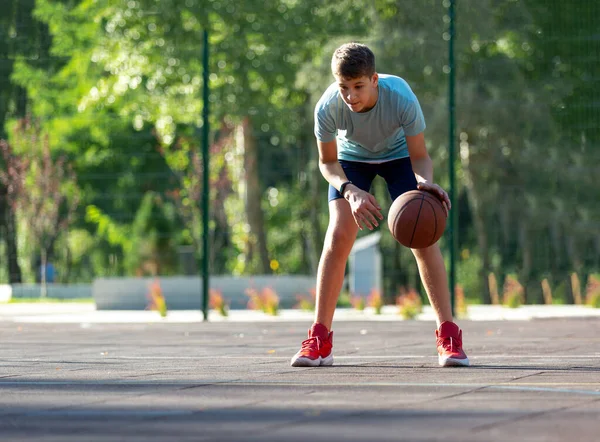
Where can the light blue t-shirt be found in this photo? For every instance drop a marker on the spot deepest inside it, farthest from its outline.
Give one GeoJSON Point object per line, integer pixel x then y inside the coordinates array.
{"type": "Point", "coordinates": [375, 136]}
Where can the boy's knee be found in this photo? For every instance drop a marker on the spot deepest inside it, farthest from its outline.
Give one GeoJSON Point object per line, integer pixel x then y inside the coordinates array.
{"type": "Point", "coordinates": [340, 239]}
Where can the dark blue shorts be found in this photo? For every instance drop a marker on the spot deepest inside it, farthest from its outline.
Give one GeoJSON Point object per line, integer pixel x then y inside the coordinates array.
{"type": "Point", "coordinates": [398, 175]}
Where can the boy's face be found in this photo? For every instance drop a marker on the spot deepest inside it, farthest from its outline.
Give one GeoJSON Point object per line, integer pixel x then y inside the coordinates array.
{"type": "Point", "coordinates": [360, 94]}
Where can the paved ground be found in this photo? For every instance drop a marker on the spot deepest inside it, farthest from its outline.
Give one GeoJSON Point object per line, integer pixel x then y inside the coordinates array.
{"type": "Point", "coordinates": [533, 380]}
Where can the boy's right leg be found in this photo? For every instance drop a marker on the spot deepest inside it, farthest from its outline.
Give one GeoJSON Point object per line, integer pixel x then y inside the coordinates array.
{"type": "Point", "coordinates": [400, 178]}
{"type": "Point", "coordinates": [339, 239]}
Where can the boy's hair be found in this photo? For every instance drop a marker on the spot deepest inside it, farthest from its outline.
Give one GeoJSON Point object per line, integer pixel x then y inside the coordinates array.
{"type": "Point", "coordinates": [353, 60]}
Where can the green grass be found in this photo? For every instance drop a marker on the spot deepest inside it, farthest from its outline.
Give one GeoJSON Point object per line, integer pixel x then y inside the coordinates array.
{"type": "Point", "coordinates": [52, 300]}
{"type": "Point", "coordinates": [473, 301]}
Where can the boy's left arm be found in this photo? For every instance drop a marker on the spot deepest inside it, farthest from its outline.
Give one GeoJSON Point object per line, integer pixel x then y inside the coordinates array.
{"type": "Point", "coordinates": [423, 167]}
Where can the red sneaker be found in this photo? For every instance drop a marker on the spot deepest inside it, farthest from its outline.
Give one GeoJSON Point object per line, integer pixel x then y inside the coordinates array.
{"type": "Point", "coordinates": [316, 350]}
{"type": "Point", "coordinates": [449, 346]}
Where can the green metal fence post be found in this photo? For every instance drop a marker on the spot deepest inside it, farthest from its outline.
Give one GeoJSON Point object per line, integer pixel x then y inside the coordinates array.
{"type": "Point", "coordinates": [205, 180]}
{"type": "Point", "coordinates": [451, 157]}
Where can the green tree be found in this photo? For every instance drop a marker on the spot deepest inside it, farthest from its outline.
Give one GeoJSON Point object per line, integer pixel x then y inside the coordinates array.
{"type": "Point", "coordinates": [144, 64]}
{"type": "Point", "coordinates": [20, 36]}
{"type": "Point", "coordinates": [42, 191]}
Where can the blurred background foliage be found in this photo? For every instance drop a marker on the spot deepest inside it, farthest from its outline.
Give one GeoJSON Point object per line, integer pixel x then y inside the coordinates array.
{"type": "Point", "coordinates": [115, 87]}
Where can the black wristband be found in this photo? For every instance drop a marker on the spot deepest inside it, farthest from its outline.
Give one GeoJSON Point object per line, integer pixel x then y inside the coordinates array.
{"type": "Point", "coordinates": [343, 187]}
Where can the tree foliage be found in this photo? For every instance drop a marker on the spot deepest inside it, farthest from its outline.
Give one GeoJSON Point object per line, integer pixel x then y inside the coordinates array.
{"type": "Point", "coordinates": [117, 85]}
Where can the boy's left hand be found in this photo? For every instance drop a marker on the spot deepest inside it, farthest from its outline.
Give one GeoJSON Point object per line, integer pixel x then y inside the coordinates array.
{"type": "Point", "coordinates": [437, 191]}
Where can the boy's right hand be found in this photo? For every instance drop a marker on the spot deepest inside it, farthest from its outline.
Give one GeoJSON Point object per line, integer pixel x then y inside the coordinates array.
{"type": "Point", "coordinates": [365, 209]}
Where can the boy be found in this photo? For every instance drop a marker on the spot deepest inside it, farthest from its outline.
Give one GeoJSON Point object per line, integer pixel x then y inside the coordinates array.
{"type": "Point", "coordinates": [369, 124]}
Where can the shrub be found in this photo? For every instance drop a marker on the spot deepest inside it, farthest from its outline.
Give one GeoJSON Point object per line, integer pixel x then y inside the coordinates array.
{"type": "Point", "coordinates": [156, 299]}
{"type": "Point", "coordinates": [358, 302]}
{"type": "Point", "coordinates": [217, 302]}
{"type": "Point", "coordinates": [460, 302]}
{"type": "Point", "coordinates": [266, 300]}
{"type": "Point", "coordinates": [375, 300]}
{"type": "Point", "coordinates": [307, 303]}
{"type": "Point", "coordinates": [513, 294]}
{"type": "Point", "coordinates": [592, 291]}
{"type": "Point", "coordinates": [409, 303]}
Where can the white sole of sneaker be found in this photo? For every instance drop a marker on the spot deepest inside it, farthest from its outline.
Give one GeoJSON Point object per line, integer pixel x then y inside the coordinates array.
{"type": "Point", "coordinates": [328, 360]}
{"type": "Point", "coordinates": [451, 362]}
{"type": "Point", "coordinates": [306, 362]}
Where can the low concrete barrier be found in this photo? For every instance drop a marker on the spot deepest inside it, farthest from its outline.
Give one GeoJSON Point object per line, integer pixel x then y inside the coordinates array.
{"type": "Point", "coordinates": [185, 292]}
{"type": "Point", "coordinates": [56, 291]}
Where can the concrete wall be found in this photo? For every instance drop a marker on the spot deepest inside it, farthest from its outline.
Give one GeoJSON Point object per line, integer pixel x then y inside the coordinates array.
{"type": "Point", "coordinates": [185, 292]}
{"type": "Point", "coordinates": [181, 292]}
{"type": "Point", "coordinates": [56, 291]}
{"type": "Point", "coordinates": [366, 269]}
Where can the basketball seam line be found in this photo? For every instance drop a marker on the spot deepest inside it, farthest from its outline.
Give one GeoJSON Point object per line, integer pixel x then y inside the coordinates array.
{"type": "Point", "coordinates": [407, 203]}
{"type": "Point", "coordinates": [417, 221]}
{"type": "Point", "coordinates": [434, 224]}
{"type": "Point", "coordinates": [399, 213]}
{"type": "Point", "coordinates": [437, 201]}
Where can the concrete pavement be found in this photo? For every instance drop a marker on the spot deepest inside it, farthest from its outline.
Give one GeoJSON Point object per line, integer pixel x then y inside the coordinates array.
{"type": "Point", "coordinates": [531, 380]}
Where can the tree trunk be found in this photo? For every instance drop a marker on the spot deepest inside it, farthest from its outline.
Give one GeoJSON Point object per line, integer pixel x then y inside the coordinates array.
{"type": "Point", "coordinates": [221, 235]}
{"type": "Point", "coordinates": [507, 232]}
{"type": "Point", "coordinates": [596, 263]}
{"type": "Point", "coordinates": [44, 260]}
{"type": "Point", "coordinates": [7, 217]}
{"type": "Point", "coordinates": [526, 262]}
{"type": "Point", "coordinates": [253, 202]}
{"type": "Point", "coordinates": [575, 261]}
{"type": "Point", "coordinates": [556, 247]}
{"type": "Point", "coordinates": [66, 271]}
{"type": "Point", "coordinates": [17, 96]}
{"type": "Point", "coordinates": [479, 222]}
{"type": "Point", "coordinates": [484, 252]}
{"type": "Point", "coordinates": [32, 39]}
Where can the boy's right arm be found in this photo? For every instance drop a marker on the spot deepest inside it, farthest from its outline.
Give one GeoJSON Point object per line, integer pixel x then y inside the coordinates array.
{"type": "Point", "coordinates": [329, 166]}
{"type": "Point", "coordinates": [365, 208]}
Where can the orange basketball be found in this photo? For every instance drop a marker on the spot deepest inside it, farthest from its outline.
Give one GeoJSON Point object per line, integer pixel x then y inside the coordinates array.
{"type": "Point", "coordinates": [417, 219]}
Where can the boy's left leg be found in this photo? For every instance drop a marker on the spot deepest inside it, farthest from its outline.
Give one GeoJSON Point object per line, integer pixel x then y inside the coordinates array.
{"type": "Point", "coordinates": [433, 275]}
{"type": "Point", "coordinates": [400, 178]}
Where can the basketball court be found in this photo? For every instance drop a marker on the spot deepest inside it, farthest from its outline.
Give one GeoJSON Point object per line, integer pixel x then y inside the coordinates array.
{"type": "Point", "coordinates": [533, 380]}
